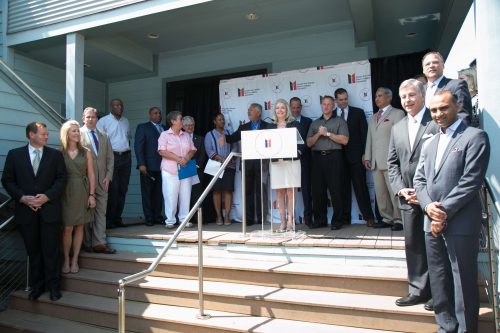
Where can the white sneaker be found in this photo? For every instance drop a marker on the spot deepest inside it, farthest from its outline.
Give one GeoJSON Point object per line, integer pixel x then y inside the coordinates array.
{"type": "Point", "coordinates": [170, 226]}
{"type": "Point", "coordinates": [189, 225]}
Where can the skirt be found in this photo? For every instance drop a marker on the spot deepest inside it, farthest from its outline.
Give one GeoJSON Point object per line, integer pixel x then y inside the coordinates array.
{"type": "Point", "coordinates": [285, 174]}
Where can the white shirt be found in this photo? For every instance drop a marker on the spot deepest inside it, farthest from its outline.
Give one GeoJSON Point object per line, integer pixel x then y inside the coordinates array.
{"type": "Point", "coordinates": [118, 131]}
{"type": "Point", "coordinates": [346, 112]}
{"type": "Point", "coordinates": [31, 150]}
{"type": "Point", "coordinates": [414, 125]}
{"type": "Point", "coordinates": [431, 90]}
{"type": "Point", "coordinates": [444, 140]}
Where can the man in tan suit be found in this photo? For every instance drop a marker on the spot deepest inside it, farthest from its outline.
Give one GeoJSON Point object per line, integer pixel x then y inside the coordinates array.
{"type": "Point", "coordinates": [98, 142]}
{"type": "Point", "coordinates": [375, 158]}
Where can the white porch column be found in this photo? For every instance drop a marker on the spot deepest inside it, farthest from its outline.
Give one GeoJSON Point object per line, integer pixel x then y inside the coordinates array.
{"type": "Point", "coordinates": [74, 76]}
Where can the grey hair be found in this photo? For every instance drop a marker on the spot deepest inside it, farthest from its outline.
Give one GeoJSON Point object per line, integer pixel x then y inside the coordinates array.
{"type": "Point", "coordinates": [257, 106]}
{"type": "Point", "coordinates": [413, 83]}
{"type": "Point", "coordinates": [386, 91]}
{"type": "Point", "coordinates": [171, 116]}
{"type": "Point", "coordinates": [187, 120]}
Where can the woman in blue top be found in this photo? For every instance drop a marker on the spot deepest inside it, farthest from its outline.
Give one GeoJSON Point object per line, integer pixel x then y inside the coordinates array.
{"type": "Point", "coordinates": [224, 185]}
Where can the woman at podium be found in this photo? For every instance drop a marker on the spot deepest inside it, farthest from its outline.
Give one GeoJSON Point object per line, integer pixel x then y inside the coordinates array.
{"type": "Point", "coordinates": [285, 173]}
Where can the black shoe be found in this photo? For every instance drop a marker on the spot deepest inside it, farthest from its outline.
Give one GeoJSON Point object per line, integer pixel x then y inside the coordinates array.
{"type": "Point", "coordinates": [35, 294]}
{"type": "Point", "coordinates": [429, 306]}
{"type": "Point", "coordinates": [336, 226]}
{"type": "Point", "coordinates": [250, 223]}
{"type": "Point", "coordinates": [397, 227]}
{"type": "Point", "coordinates": [119, 224]}
{"type": "Point", "coordinates": [109, 226]}
{"type": "Point", "coordinates": [380, 225]}
{"type": "Point", "coordinates": [410, 300]}
{"type": "Point", "coordinates": [55, 294]}
{"type": "Point", "coordinates": [150, 223]}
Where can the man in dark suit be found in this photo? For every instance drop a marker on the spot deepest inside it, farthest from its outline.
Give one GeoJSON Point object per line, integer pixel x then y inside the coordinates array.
{"type": "Point", "coordinates": [354, 169]}
{"type": "Point", "coordinates": [253, 181]}
{"type": "Point", "coordinates": [305, 158]}
{"type": "Point", "coordinates": [433, 66]}
{"type": "Point", "coordinates": [148, 163]}
{"type": "Point", "coordinates": [35, 177]}
{"type": "Point", "coordinates": [406, 142]}
{"type": "Point", "coordinates": [448, 179]}
{"type": "Point", "coordinates": [188, 125]}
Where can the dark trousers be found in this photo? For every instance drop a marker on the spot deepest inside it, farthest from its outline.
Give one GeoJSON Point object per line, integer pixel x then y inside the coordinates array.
{"type": "Point", "coordinates": [42, 241]}
{"type": "Point", "coordinates": [453, 276]}
{"type": "Point", "coordinates": [416, 256]}
{"type": "Point", "coordinates": [253, 188]}
{"type": "Point", "coordinates": [305, 184]}
{"type": "Point", "coordinates": [327, 174]}
{"type": "Point", "coordinates": [355, 173]}
{"type": "Point", "coordinates": [118, 188]}
{"type": "Point", "coordinates": [196, 191]}
{"type": "Point", "coordinates": [152, 197]}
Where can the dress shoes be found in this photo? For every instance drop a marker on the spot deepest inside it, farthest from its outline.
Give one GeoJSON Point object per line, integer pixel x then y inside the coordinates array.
{"type": "Point", "coordinates": [336, 226]}
{"type": "Point", "coordinates": [429, 306]}
{"type": "Point", "coordinates": [397, 227]}
{"type": "Point", "coordinates": [410, 300]}
{"type": "Point", "coordinates": [55, 294]}
{"type": "Point", "coordinates": [103, 248]}
{"type": "Point", "coordinates": [35, 294]}
{"type": "Point", "coordinates": [150, 223]}
{"type": "Point", "coordinates": [119, 224]}
{"type": "Point", "coordinates": [369, 223]}
{"type": "Point", "coordinates": [380, 225]}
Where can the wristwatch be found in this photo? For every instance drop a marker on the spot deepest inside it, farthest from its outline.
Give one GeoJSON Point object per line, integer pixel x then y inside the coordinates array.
{"type": "Point", "coordinates": [328, 134]}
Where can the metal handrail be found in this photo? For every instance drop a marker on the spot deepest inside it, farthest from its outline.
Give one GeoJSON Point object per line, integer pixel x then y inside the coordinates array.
{"type": "Point", "coordinates": [137, 276]}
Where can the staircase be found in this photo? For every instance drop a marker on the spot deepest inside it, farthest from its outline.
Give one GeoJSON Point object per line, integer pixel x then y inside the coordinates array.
{"type": "Point", "coordinates": [248, 288]}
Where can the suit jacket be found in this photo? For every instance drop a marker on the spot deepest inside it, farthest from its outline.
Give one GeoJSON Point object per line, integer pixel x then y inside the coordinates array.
{"type": "Point", "coordinates": [303, 127]}
{"type": "Point", "coordinates": [19, 179]}
{"type": "Point", "coordinates": [104, 161]}
{"type": "Point", "coordinates": [379, 134]}
{"type": "Point", "coordinates": [293, 124]}
{"type": "Point", "coordinates": [402, 162]}
{"type": "Point", "coordinates": [146, 146]}
{"type": "Point", "coordinates": [461, 90]}
{"type": "Point", "coordinates": [457, 180]}
{"type": "Point", "coordinates": [200, 156]}
{"type": "Point", "coordinates": [358, 129]}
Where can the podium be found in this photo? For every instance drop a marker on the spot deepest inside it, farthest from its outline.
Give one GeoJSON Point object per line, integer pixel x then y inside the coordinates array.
{"type": "Point", "coordinates": [274, 145]}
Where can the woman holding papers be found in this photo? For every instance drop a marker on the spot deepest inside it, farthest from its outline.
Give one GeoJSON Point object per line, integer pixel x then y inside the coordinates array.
{"type": "Point", "coordinates": [224, 187]}
{"type": "Point", "coordinates": [177, 149]}
{"type": "Point", "coordinates": [285, 173]}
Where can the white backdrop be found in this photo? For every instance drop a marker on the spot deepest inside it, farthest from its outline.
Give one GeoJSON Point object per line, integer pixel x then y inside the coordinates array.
{"type": "Point", "coordinates": [309, 85]}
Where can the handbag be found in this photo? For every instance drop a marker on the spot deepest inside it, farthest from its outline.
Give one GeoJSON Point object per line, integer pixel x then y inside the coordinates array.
{"type": "Point", "coordinates": [188, 171]}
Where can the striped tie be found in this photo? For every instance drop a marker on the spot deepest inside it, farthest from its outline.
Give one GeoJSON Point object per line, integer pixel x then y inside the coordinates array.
{"type": "Point", "coordinates": [36, 161]}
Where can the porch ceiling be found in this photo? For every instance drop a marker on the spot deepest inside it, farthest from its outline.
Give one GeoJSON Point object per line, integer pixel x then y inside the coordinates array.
{"type": "Point", "coordinates": [384, 24]}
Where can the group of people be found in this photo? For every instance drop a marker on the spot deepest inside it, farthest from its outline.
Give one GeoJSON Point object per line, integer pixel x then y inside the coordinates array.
{"type": "Point", "coordinates": [427, 163]}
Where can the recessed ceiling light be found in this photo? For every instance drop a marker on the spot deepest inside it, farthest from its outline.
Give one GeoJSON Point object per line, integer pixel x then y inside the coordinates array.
{"type": "Point", "coordinates": [252, 16]}
{"type": "Point", "coordinates": [153, 35]}
{"type": "Point", "coordinates": [411, 34]}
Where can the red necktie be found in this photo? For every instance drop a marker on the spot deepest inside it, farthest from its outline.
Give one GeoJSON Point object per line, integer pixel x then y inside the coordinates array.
{"type": "Point", "coordinates": [342, 113]}
{"type": "Point", "coordinates": [379, 115]}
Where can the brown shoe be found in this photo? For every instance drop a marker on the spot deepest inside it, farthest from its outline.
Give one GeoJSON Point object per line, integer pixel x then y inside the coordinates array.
{"type": "Point", "coordinates": [370, 223]}
{"type": "Point", "coordinates": [102, 248]}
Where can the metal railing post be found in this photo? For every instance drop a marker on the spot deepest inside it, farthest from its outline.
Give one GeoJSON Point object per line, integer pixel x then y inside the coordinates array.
{"type": "Point", "coordinates": [243, 199]}
{"type": "Point", "coordinates": [201, 313]}
{"type": "Point", "coordinates": [27, 274]}
{"type": "Point", "coordinates": [121, 307]}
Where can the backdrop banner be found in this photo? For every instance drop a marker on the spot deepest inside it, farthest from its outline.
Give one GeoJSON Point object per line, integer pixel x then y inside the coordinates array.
{"type": "Point", "coordinates": [309, 84]}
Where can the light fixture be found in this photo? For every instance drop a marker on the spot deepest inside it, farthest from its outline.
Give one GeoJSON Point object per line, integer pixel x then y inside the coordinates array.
{"type": "Point", "coordinates": [252, 16]}
{"type": "Point", "coordinates": [152, 35]}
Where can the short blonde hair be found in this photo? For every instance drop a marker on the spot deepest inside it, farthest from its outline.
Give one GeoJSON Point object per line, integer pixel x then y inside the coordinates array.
{"type": "Point", "coordinates": [289, 118]}
{"type": "Point", "coordinates": [64, 135]}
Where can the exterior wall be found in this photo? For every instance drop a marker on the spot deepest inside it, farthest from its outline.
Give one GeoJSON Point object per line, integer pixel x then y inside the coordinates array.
{"type": "Point", "coordinates": [1, 28]}
{"type": "Point", "coordinates": [279, 53]}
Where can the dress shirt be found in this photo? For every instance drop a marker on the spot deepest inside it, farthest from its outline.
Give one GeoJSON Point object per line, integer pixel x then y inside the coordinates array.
{"type": "Point", "coordinates": [178, 144]}
{"type": "Point", "coordinates": [158, 127]}
{"type": "Point", "coordinates": [31, 150]}
{"type": "Point", "coordinates": [91, 139]}
{"type": "Point", "coordinates": [444, 140]}
{"type": "Point", "coordinates": [414, 125]}
{"type": "Point", "coordinates": [334, 125]}
{"type": "Point", "coordinates": [431, 90]}
{"type": "Point", "coordinates": [346, 112]}
{"type": "Point", "coordinates": [297, 119]}
{"type": "Point", "coordinates": [118, 131]}
{"type": "Point", "coordinates": [255, 125]}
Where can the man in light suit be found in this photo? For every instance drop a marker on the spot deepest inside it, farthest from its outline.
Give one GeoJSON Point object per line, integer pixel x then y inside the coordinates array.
{"type": "Point", "coordinates": [98, 143]}
{"type": "Point", "coordinates": [407, 138]}
{"type": "Point", "coordinates": [448, 179]}
{"type": "Point", "coordinates": [148, 163]}
{"type": "Point", "coordinates": [375, 157]}
{"type": "Point", "coordinates": [35, 177]}
{"type": "Point", "coordinates": [305, 159]}
{"type": "Point", "coordinates": [354, 170]}
{"type": "Point", "coordinates": [433, 66]}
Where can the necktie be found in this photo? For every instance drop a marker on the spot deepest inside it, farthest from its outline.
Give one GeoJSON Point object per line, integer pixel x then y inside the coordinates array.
{"type": "Point", "coordinates": [158, 127]}
{"type": "Point", "coordinates": [342, 113]}
{"type": "Point", "coordinates": [36, 161]}
{"type": "Point", "coordinates": [96, 142]}
{"type": "Point", "coordinates": [379, 115]}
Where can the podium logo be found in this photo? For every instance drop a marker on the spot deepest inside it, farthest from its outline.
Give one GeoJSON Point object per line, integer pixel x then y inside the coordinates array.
{"type": "Point", "coordinates": [241, 92]}
{"type": "Point", "coordinates": [293, 85]}
{"type": "Point", "coordinates": [319, 67]}
{"type": "Point", "coordinates": [351, 78]}
{"type": "Point", "coordinates": [267, 143]}
{"type": "Point", "coordinates": [267, 105]}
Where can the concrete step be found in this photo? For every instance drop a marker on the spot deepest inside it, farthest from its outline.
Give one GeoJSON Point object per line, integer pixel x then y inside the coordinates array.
{"type": "Point", "coordinates": [15, 321]}
{"type": "Point", "coordinates": [146, 317]}
{"type": "Point", "coordinates": [335, 278]}
{"type": "Point", "coordinates": [368, 311]}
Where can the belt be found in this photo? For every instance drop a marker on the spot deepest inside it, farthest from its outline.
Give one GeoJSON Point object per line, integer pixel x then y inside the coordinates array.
{"type": "Point", "coordinates": [325, 152]}
{"type": "Point", "coordinates": [120, 153]}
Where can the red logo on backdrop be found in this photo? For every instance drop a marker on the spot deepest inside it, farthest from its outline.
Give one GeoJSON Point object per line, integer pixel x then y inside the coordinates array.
{"type": "Point", "coordinates": [267, 105]}
{"type": "Point", "coordinates": [351, 78]}
{"type": "Point", "coordinates": [293, 85]}
{"type": "Point", "coordinates": [241, 92]}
